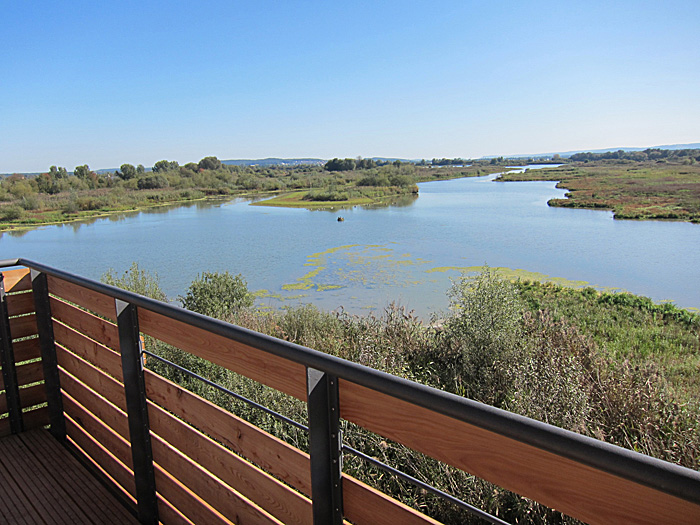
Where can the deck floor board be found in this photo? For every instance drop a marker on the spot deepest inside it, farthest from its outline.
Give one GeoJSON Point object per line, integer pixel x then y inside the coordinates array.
{"type": "Point", "coordinates": [42, 482]}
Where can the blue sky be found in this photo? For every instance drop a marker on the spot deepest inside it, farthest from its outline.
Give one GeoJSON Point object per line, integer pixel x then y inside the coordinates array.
{"type": "Point", "coordinates": [105, 83]}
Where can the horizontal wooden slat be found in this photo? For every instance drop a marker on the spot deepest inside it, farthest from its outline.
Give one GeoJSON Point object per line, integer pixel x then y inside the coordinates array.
{"type": "Point", "coordinates": [96, 379]}
{"type": "Point", "coordinates": [364, 505]}
{"type": "Point", "coordinates": [23, 326]}
{"type": "Point", "coordinates": [28, 397]}
{"type": "Point", "coordinates": [572, 488]}
{"type": "Point", "coordinates": [5, 427]}
{"type": "Point", "coordinates": [17, 280]}
{"type": "Point", "coordinates": [112, 416]}
{"type": "Point", "coordinates": [94, 327]}
{"type": "Point", "coordinates": [281, 374]}
{"type": "Point", "coordinates": [99, 355]}
{"type": "Point", "coordinates": [35, 418]}
{"type": "Point", "coordinates": [97, 302]}
{"type": "Point", "coordinates": [169, 513]}
{"type": "Point", "coordinates": [19, 304]}
{"type": "Point", "coordinates": [116, 444]}
{"type": "Point", "coordinates": [270, 453]}
{"type": "Point", "coordinates": [26, 350]}
{"type": "Point", "coordinates": [276, 498]}
{"type": "Point", "coordinates": [28, 373]}
{"type": "Point", "coordinates": [101, 456]}
{"type": "Point", "coordinates": [219, 495]}
{"type": "Point", "coordinates": [191, 505]}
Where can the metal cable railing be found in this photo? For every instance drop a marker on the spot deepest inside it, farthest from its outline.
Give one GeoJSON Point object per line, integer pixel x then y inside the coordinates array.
{"type": "Point", "coordinates": [474, 511]}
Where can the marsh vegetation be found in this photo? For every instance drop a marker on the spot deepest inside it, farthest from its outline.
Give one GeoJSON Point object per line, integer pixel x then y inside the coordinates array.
{"type": "Point", "coordinates": [613, 366]}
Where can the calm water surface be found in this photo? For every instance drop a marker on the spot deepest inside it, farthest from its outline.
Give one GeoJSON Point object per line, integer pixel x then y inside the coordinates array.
{"type": "Point", "coordinates": [406, 253]}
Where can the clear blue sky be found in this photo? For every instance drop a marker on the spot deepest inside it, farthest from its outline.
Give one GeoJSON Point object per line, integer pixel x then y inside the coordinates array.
{"type": "Point", "coordinates": [105, 83]}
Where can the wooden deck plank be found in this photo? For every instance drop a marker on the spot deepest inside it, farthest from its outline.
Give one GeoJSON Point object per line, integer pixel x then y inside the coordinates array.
{"type": "Point", "coordinates": [70, 474]}
{"type": "Point", "coordinates": [41, 482]}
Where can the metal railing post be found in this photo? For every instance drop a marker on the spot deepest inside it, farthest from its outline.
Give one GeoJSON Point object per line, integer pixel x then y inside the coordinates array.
{"type": "Point", "coordinates": [325, 448]}
{"type": "Point", "coordinates": [137, 411]}
{"type": "Point", "coordinates": [49, 361]}
{"type": "Point", "coordinates": [9, 372]}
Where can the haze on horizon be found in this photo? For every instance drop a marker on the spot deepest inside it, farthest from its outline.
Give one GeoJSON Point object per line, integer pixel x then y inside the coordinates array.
{"type": "Point", "coordinates": [86, 82]}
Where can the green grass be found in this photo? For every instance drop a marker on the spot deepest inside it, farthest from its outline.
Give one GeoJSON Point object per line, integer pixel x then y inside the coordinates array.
{"type": "Point", "coordinates": [632, 190]}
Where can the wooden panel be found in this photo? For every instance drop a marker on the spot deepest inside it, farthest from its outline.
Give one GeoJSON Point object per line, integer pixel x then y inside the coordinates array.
{"type": "Point", "coordinates": [281, 374]}
{"type": "Point", "coordinates": [574, 489]}
{"type": "Point", "coordinates": [26, 350]}
{"type": "Point", "coordinates": [96, 379]}
{"type": "Point", "coordinates": [116, 444]}
{"type": "Point", "coordinates": [168, 513]}
{"type": "Point", "coordinates": [97, 302]}
{"type": "Point", "coordinates": [94, 327]}
{"type": "Point", "coordinates": [99, 355]}
{"type": "Point", "coordinates": [276, 498]}
{"type": "Point", "coordinates": [105, 411]}
{"type": "Point", "coordinates": [273, 455]}
{"type": "Point", "coordinates": [364, 505]}
{"type": "Point", "coordinates": [17, 280]}
{"type": "Point", "coordinates": [35, 418]}
{"type": "Point", "coordinates": [23, 326]}
{"type": "Point", "coordinates": [19, 304]}
{"type": "Point", "coordinates": [191, 505]}
{"type": "Point", "coordinates": [100, 455]}
{"type": "Point", "coordinates": [219, 495]}
{"type": "Point", "coordinates": [5, 427]}
{"type": "Point", "coordinates": [32, 395]}
{"type": "Point", "coordinates": [29, 373]}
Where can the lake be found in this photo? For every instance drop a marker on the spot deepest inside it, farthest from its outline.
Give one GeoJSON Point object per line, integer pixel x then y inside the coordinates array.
{"type": "Point", "coordinates": [406, 253]}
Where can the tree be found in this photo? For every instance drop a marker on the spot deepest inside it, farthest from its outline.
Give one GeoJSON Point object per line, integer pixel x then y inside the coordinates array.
{"type": "Point", "coordinates": [136, 280]}
{"type": "Point", "coordinates": [209, 163]}
{"type": "Point", "coordinates": [165, 165]}
{"type": "Point", "coordinates": [217, 295]}
{"type": "Point", "coordinates": [82, 172]}
{"type": "Point", "coordinates": [140, 170]}
{"type": "Point", "coordinates": [127, 171]}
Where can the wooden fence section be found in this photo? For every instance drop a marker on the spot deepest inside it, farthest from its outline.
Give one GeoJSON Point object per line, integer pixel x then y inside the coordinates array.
{"type": "Point", "coordinates": [211, 466]}
{"type": "Point", "coordinates": [205, 457]}
{"type": "Point", "coordinates": [19, 308]}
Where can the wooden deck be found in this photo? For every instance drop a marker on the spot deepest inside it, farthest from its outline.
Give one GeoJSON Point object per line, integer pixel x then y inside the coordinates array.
{"type": "Point", "coordinates": [42, 482]}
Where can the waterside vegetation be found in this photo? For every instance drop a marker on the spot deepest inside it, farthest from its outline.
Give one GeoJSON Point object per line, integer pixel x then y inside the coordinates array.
{"type": "Point", "coordinates": [661, 188]}
{"type": "Point", "coordinates": [613, 366]}
{"type": "Point", "coordinates": [59, 196]}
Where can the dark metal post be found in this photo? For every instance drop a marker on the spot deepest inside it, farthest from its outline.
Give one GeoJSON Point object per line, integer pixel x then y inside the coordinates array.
{"type": "Point", "coordinates": [52, 382]}
{"type": "Point", "coordinates": [325, 448]}
{"type": "Point", "coordinates": [137, 410]}
{"type": "Point", "coordinates": [9, 372]}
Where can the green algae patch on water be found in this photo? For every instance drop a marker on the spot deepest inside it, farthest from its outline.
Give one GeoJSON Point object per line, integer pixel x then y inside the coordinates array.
{"type": "Point", "coordinates": [516, 274]}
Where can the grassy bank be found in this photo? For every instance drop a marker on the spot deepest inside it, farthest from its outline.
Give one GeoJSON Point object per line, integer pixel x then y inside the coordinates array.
{"type": "Point", "coordinates": [60, 197]}
{"type": "Point", "coordinates": [632, 190]}
{"type": "Point", "coordinates": [613, 366]}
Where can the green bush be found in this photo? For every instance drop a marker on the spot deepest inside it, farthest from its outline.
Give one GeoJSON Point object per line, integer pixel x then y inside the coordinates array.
{"type": "Point", "coordinates": [11, 213]}
{"type": "Point", "coordinates": [217, 295]}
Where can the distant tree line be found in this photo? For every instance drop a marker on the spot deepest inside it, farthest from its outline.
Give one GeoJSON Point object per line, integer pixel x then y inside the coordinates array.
{"type": "Point", "coordinates": [357, 164]}
{"type": "Point", "coordinates": [689, 156]}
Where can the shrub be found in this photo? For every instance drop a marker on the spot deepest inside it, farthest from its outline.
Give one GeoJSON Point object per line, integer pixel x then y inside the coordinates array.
{"type": "Point", "coordinates": [11, 213]}
{"type": "Point", "coordinates": [217, 295]}
{"type": "Point", "coordinates": [152, 182]}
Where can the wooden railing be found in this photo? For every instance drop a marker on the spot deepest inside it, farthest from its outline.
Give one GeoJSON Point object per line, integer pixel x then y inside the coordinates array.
{"type": "Point", "coordinates": [178, 458]}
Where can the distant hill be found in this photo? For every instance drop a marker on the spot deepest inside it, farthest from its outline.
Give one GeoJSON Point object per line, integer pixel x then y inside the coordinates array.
{"type": "Point", "coordinates": [695, 145]}
{"type": "Point", "coordinates": [272, 162]}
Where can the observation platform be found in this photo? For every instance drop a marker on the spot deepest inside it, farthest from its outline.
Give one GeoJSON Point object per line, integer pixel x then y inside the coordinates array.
{"type": "Point", "coordinates": [74, 385]}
